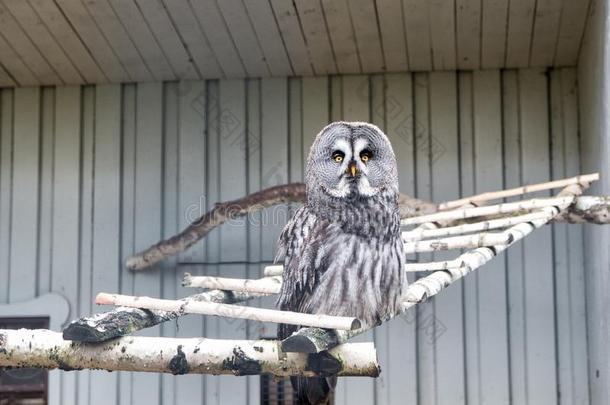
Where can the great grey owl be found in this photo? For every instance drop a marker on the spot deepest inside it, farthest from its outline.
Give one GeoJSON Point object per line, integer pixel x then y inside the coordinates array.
{"type": "Point", "coordinates": [342, 251]}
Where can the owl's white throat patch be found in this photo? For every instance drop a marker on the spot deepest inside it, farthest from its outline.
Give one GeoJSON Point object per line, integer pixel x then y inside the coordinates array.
{"type": "Point", "coordinates": [365, 188]}
{"type": "Point", "coordinates": [342, 190]}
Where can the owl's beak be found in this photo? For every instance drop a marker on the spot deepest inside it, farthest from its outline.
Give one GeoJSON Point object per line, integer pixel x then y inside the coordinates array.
{"type": "Point", "coordinates": [353, 169]}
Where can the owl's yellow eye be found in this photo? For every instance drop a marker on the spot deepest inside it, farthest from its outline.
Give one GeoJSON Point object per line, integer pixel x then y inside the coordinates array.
{"type": "Point", "coordinates": [365, 155]}
{"type": "Point", "coordinates": [338, 156]}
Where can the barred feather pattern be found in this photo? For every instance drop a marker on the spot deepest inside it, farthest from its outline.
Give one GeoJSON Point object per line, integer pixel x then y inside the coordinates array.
{"type": "Point", "coordinates": [342, 251]}
{"type": "Point", "coordinates": [345, 262]}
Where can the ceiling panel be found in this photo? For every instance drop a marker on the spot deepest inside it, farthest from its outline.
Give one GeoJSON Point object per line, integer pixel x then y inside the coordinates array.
{"type": "Point", "coordinates": [96, 41]}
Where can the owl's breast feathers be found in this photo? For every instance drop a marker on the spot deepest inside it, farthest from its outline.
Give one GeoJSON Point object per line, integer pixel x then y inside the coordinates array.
{"type": "Point", "coordinates": [344, 261]}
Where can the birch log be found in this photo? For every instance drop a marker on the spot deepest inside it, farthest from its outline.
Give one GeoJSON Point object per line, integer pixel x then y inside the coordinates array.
{"type": "Point", "coordinates": [124, 320]}
{"type": "Point", "coordinates": [591, 209]}
{"type": "Point", "coordinates": [46, 349]}
{"type": "Point", "coordinates": [273, 270]}
{"type": "Point", "coordinates": [494, 195]}
{"type": "Point", "coordinates": [266, 285]}
{"type": "Point", "coordinates": [506, 208]}
{"type": "Point", "coordinates": [433, 232]}
{"type": "Point", "coordinates": [231, 311]}
{"type": "Point", "coordinates": [457, 242]}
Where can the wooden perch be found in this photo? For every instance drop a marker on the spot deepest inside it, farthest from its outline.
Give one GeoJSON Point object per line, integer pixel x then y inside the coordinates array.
{"type": "Point", "coordinates": [591, 209]}
{"type": "Point", "coordinates": [47, 349]}
{"type": "Point", "coordinates": [531, 188]}
{"type": "Point", "coordinates": [124, 320]}
{"type": "Point", "coordinates": [231, 311]}
{"type": "Point", "coordinates": [273, 270]}
{"type": "Point", "coordinates": [426, 233]}
{"type": "Point", "coordinates": [471, 212]}
{"type": "Point", "coordinates": [266, 285]}
{"type": "Point", "coordinates": [226, 211]}
{"type": "Point", "coordinates": [457, 242]}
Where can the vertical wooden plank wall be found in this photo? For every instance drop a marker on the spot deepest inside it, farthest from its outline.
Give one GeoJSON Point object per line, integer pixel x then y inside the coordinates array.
{"type": "Point", "coordinates": [186, 101]}
{"type": "Point", "coordinates": [594, 125]}
{"type": "Point", "coordinates": [424, 314]}
{"type": "Point", "coordinates": [568, 252]}
{"type": "Point", "coordinates": [65, 244]}
{"type": "Point", "coordinates": [24, 192]}
{"type": "Point", "coordinates": [169, 283]}
{"type": "Point", "coordinates": [396, 341]}
{"type": "Point", "coordinates": [233, 237]}
{"type": "Point", "coordinates": [490, 310]}
{"type": "Point", "coordinates": [90, 175]}
{"type": "Point", "coordinates": [6, 185]}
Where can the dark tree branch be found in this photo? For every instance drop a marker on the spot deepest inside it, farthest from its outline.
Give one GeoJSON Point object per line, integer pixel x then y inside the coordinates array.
{"type": "Point", "coordinates": [230, 210]}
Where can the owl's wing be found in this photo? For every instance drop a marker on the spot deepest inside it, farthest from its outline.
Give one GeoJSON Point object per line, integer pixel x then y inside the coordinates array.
{"type": "Point", "coordinates": [298, 245]}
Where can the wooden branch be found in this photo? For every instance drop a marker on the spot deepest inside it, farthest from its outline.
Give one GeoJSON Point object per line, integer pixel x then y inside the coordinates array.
{"type": "Point", "coordinates": [47, 349]}
{"type": "Point", "coordinates": [266, 285]}
{"type": "Point", "coordinates": [425, 233]}
{"type": "Point", "coordinates": [273, 270]}
{"type": "Point", "coordinates": [494, 195]}
{"type": "Point", "coordinates": [433, 266]}
{"type": "Point", "coordinates": [457, 242]}
{"type": "Point", "coordinates": [231, 311]}
{"type": "Point", "coordinates": [312, 340]}
{"type": "Point", "coordinates": [591, 209]}
{"type": "Point", "coordinates": [505, 208]}
{"type": "Point", "coordinates": [123, 320]}
{"type": "Point", "coordinates": [221, 213]}
{"type": "Point", "coordinates": [226, 211]}
{"type": "Point", "coordinates": [431, 285]}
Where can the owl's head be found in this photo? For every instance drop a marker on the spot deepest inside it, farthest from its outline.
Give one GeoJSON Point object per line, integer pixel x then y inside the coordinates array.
{"type": "Point", "coordinates": [351, 160]}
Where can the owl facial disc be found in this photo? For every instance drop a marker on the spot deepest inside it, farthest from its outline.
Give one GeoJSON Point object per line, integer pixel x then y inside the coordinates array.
{"type": "Point", "coordinates": [351, 160]}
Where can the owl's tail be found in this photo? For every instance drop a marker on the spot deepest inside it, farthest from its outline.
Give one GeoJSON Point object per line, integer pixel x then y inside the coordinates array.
{"type": "Point", "coordinates": [313, 390]}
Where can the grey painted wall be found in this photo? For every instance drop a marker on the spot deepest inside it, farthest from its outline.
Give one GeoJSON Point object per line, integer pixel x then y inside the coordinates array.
{"type": "Point", "coordinates": [88, 175]}
{"type": "Point", "coordinates": [594, 111]}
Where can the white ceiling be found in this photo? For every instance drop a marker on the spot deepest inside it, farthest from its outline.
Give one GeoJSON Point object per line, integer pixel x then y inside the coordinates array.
{"type": "Point", "coordinates": [95, 41]}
